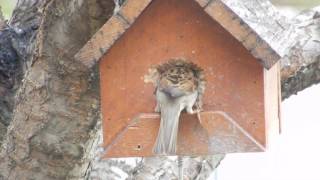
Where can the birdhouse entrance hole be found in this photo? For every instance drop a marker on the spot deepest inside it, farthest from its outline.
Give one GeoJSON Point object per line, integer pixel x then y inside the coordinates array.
{"type": "Point", "coordinates": [239, 92]}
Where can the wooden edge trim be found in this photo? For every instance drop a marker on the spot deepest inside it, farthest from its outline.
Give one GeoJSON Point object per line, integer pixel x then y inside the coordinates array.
{"type": "Point", "coordinates": [110, 32]}
{"type": "Point", "coordinates": [250, 39]}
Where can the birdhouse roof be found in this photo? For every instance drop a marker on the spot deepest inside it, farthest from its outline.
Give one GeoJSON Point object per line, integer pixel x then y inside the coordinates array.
{"type": "Point", "coordinates": [242, 19]}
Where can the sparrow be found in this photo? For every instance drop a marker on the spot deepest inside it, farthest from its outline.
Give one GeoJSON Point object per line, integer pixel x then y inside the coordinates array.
{"type": "Point", "coordinates": [179, 85]}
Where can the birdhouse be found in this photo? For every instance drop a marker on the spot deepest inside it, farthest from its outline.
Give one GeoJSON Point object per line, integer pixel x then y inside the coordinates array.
{"type": "Point", "coordinates": [241, 103]}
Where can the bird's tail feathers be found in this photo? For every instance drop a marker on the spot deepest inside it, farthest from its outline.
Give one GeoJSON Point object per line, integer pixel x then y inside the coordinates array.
{"type": "Point", "coordinates": [166, 142]}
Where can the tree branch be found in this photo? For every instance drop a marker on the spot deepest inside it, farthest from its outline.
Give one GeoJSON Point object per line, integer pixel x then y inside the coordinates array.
{"type": "Point", "coordinates": [300, 68]}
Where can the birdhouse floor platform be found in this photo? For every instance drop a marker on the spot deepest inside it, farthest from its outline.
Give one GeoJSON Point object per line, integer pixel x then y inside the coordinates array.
{"type": "Point", "coordinates": [214, 133]}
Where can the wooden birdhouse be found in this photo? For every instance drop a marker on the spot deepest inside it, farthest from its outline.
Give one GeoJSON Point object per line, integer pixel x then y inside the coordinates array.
{"type": "Point", "coordinates": [242, 97]}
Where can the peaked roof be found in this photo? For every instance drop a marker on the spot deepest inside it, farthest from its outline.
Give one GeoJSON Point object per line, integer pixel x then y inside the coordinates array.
{"type": "Point", "coordinates": [220, 10]}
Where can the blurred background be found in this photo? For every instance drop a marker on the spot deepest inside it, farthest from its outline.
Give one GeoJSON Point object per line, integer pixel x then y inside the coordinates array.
{"type": "Point", "coordinates": [7, 7]}
{"type": "Point", "coordinates": [299, 4]}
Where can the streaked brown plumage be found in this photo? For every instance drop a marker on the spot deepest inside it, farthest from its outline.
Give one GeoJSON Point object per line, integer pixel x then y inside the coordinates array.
{"type": "Point", "coordinates": [179, 85]}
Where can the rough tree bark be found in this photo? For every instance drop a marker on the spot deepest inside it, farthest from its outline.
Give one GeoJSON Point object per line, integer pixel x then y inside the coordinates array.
{"type": "Point", "coordinates": [57, 103]}
{"type": "Point", "coordinates": [300, 67]}
{"type": "Point", "coordinates": [49, 117]}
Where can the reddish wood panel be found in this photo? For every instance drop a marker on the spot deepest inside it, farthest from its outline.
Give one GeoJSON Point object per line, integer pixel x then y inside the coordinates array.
{"type": "Point", "coordinates": [179, 28]}
{"type": "Point", "coordinates": [219, 10]}
{"type": "Point", "coordinates": [216, 133]}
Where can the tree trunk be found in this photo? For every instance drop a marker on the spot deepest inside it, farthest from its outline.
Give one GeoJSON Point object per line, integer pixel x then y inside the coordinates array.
{"type": "Point", "coordinates": [57, 104]}
{"type": "Point", "coordinates": [50, 118]}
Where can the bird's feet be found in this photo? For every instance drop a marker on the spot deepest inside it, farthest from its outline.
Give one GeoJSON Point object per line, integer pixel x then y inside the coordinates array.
{"type": "Point", "coordinates": [197, 111]}
{"type": "Point", "coordinates": [191, 111]}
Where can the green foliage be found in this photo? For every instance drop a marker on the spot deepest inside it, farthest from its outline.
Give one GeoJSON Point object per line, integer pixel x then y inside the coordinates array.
{"type": "Point", "coordinates": [7, 7]}
{"type": "Point", "coordinates": [299, 4]}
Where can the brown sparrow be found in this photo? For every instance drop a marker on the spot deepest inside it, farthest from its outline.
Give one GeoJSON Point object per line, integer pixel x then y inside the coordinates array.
{"type": "Point", "coordinates": [179, 85]}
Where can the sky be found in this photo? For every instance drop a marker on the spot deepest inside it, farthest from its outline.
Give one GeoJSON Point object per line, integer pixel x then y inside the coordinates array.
{"type": "Point", "coordinates": [295, 155]}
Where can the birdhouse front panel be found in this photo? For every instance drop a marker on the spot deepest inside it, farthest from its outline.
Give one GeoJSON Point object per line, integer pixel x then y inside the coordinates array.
{"type": "Point", "coordinates": [234, 106]}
